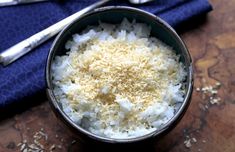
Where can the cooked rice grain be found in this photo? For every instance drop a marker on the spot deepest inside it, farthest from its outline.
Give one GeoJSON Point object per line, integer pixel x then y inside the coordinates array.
{"type": "Point", "coordinates": [116, 81]}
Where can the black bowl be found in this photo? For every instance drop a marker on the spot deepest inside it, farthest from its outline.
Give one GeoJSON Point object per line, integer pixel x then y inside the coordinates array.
{"type": "Point", "coordinates": [160, 29]}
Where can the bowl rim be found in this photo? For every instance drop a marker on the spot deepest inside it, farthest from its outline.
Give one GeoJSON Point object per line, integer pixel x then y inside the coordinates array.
{"type": "Point", "coordinates": [178, 115]}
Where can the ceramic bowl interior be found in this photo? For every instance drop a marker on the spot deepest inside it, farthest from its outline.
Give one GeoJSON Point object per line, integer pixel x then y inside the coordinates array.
{"type": "Point", "coordinates": [115, 15]}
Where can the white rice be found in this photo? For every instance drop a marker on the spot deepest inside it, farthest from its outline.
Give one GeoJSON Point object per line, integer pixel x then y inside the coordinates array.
{"type": "Point", "coordinates": [99, 104]}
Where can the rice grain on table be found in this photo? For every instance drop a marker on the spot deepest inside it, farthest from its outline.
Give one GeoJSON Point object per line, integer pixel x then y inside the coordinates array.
{"type": "Point", "coordinates": [117, 81]}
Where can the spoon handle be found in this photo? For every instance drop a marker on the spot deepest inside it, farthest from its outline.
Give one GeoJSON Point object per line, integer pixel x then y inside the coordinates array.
{"type": "Point", "coordinates": [13, 53]}
{"type": "Point", "coordinates": [16, 2]}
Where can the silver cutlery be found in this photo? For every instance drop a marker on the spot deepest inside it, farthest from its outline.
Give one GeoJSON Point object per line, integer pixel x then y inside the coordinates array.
{"type": "Point", "coordinates": [16, 2]}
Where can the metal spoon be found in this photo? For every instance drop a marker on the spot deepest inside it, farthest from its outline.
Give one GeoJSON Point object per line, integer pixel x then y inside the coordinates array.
{"type": "Point", "coordinates": [13, 53]}
{"type": "Point", "coordinates": [4, 3]}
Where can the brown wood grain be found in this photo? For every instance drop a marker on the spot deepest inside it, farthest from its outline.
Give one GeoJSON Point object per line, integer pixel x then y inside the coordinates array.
{"type": "Point", "coordinates": [212, 45]}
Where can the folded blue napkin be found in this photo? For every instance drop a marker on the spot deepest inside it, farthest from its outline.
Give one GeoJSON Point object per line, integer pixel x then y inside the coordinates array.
{"type": "Point", "coordinates": [26, 76]}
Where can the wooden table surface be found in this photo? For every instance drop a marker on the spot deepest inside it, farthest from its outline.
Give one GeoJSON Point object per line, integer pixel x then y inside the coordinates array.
{"type": "Point", "coordinates": [206, 126]}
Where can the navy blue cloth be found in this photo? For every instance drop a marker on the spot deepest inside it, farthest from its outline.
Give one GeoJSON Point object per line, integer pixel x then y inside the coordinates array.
{"type": "Point", "coordinates": [26, 76]}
